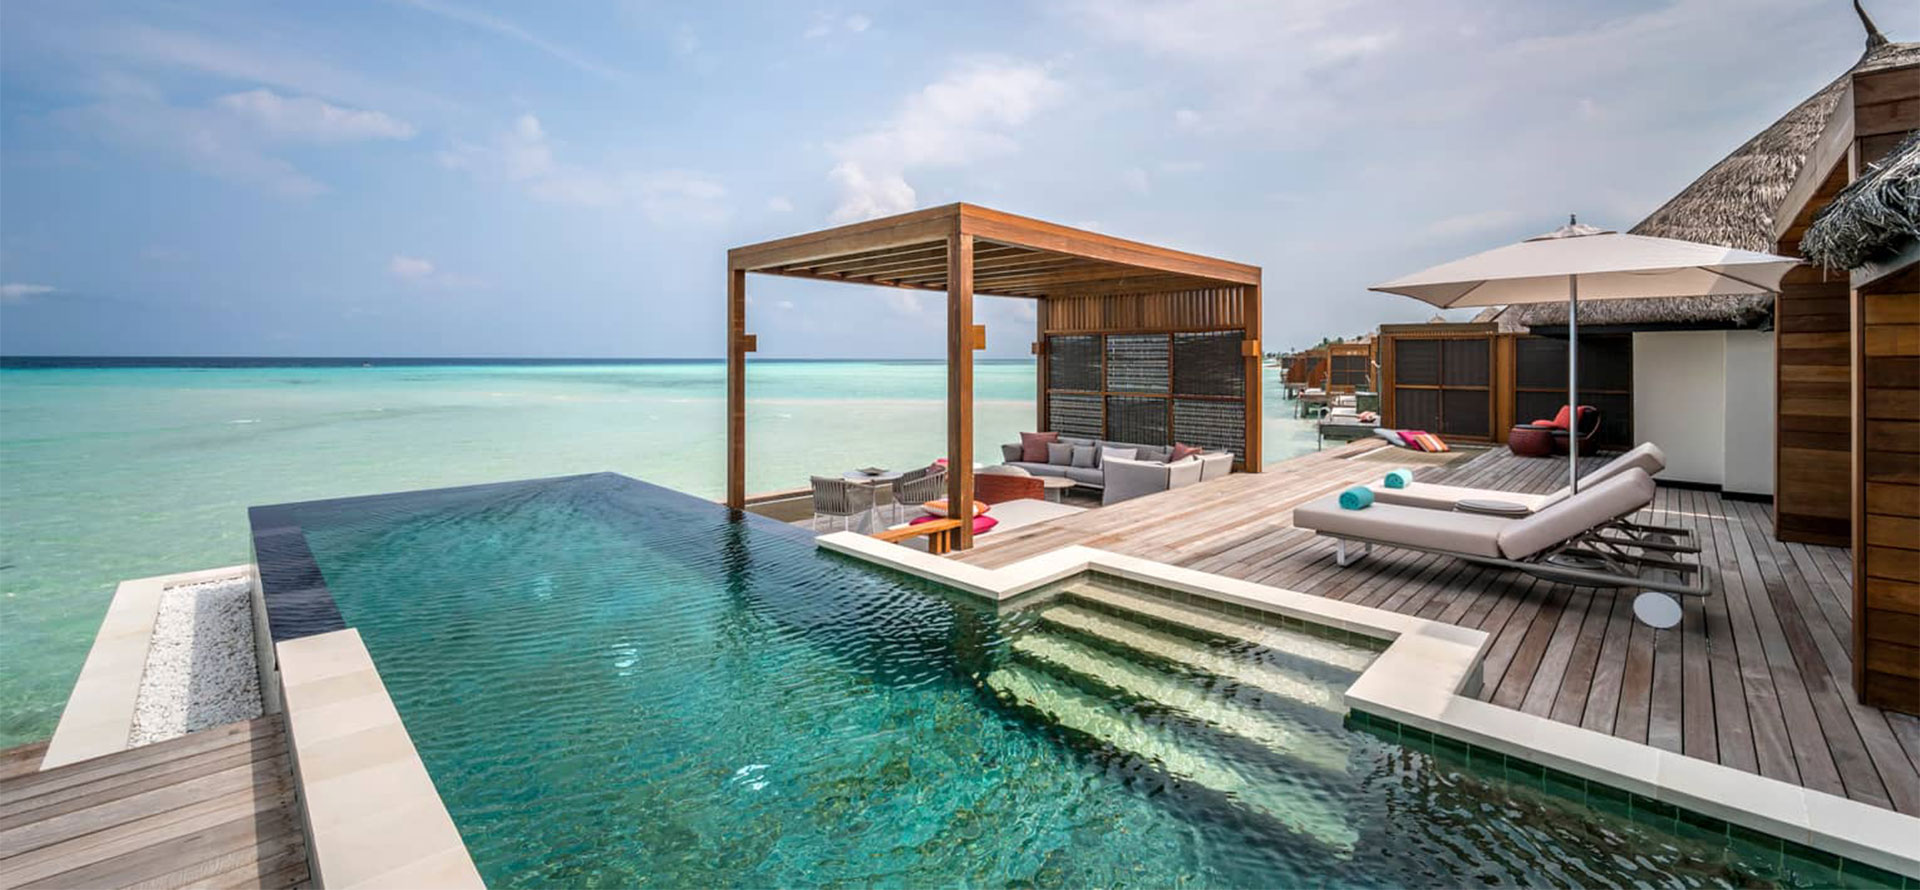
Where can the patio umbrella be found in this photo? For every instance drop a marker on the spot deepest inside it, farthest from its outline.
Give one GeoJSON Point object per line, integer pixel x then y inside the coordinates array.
{"type": "Point", "coordinates": [1579, 261]}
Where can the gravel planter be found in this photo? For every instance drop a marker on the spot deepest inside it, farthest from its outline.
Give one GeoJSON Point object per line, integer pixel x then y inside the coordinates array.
{"type": "Point", "coordinates": [200, 666]}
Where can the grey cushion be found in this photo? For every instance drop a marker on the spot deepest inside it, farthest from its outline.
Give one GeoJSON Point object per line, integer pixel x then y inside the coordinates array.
{"type": "Point", "coordinates": [1010, 453]}
{"type": "Point", "coordinates": [1085, 456]}
{"type": "Point", "coordinates": [1086, 475]}
{"type": "Point", "coordinates": [1037, 469]}
{"type": "Point", "coordinates": [1128, 479]}
{"type": "Point", "coordinates": [1108, 453]}
{"type": "Point", "coordinates": [1215, 464]}
{"type": "Point", "coordinates": [1060, 454]}
{"type": "Point", "coordinates": [1468, 533]}
{"type": "Point", "coordinates": [1624, 493]}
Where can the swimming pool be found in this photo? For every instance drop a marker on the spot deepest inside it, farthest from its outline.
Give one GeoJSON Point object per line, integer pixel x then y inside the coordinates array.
{"type": "Point", "coordinates": [613, 683]}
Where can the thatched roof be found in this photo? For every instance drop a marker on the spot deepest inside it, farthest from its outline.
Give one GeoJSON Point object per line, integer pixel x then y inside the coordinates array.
{"type": "Point", "coordinates": [1872, 219]}
{"type": "Point", "coordinates": [1734, 204]}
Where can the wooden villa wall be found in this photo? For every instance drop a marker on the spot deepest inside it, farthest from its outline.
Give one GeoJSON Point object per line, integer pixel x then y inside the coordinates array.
{"type": "Point", "coordinates": [1154, 368]}
{"type": "Point", "coordinates": [1341, 380]}
{"type": "Point", "coordinates": [1885, 494]}
{"type": "Point", "coordinates": [1812, 442]}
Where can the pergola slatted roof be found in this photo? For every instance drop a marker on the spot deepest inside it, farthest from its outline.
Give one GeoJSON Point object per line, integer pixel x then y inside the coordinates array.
{"type": "Point", "coordinates": [1013, 256]}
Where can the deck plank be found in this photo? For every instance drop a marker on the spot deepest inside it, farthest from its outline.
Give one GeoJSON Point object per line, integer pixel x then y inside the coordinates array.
{"type": "Point", "coordinates": [1757, 676]}
{"type": "Point", "coordinates": [210, 807]}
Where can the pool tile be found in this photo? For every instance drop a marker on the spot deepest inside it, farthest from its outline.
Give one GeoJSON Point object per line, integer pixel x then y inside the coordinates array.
{"type": "Point", "coordinates": [1565, 785]}
{"type": "Point", "coordinates": [1527, 773]}
{"type": "Point", "coordinates": [1648, 811]}
{"type": "Point", "coordinates": [1609, 800]}
{"type": "Point", "coordinates": [1699, 825]}
{"type": "Point", "coordinates": [1867, 877]}
{"type": "Point", "coordinates": [1754, 847]}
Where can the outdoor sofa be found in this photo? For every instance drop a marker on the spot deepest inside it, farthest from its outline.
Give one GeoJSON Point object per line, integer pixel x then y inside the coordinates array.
{"type": "Point", "coordinates": [1082, 461]}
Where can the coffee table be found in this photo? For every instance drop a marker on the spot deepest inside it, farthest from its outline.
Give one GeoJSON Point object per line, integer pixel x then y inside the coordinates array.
{"type": "Point", "coordinates": [1056, 485]}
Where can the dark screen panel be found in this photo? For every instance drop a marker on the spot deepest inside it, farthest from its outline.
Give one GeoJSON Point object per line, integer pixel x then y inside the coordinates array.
{"type": "Point", "coordinates": [1074, 362]}
{"type": "Point", "coordinates": [1349, 370]}
{"type": "Point", "coordinates": [1137, 363]}
{"type": "Point", "coordinates": [1141, 420]}
{"type": "Point", "coordinates": [1465, 412]}
{"type": "Point", "coordinates": [1416, 362]}
{"type": "Point", "coordinates": [1606, 362]}
{"type": "Point", "coordinates": [1417, 409]}
{"type": "Point", "coordinates": [1218, 426]}
{"type": "Point", "coordinates": [1466, 362]}
{"type": "Point", "coordinates": [1209, 364]}
{"type": "Point", "coordinates": [1073, 415]}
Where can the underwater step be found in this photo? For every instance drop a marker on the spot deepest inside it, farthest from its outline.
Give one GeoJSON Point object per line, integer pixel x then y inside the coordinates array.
{"type": "Point", "coordinates": [1193, 653]}
{"type": "Point", "coordinates": [1296, 805]}
{"type": "Point", "coordinates": [1292, 642]}
{"type": "Point", "coordinates": [1267, 728]}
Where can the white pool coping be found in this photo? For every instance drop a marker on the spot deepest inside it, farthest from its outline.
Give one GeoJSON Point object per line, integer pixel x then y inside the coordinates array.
{"type": "Point", "coordinates": [373, 816]}
{"type": "Point", "coordinates": [1426, 679]}
{"type": "Point", "coordinates": [98, 719]}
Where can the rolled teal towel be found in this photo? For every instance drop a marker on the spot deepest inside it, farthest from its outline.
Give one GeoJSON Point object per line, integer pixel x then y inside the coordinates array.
{"type": "Point", "coordinates": [1356, 498]}
{"type": "Point", "coordinates": [1400, 478]}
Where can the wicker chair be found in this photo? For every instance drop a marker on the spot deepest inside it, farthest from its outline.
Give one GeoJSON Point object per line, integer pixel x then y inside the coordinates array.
{"type": "Point", "coordinates": [918, 487]}
{"type": "Point", "coordinates": [844, 498]}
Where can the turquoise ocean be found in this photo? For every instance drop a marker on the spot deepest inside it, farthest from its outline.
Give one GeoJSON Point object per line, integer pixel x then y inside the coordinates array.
{"type": "Point", "coordinates": [132, 470]}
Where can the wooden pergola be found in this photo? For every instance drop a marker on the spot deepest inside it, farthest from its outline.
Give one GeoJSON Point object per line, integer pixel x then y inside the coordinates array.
{"type": "Point", "coordinates": [1088, 286]}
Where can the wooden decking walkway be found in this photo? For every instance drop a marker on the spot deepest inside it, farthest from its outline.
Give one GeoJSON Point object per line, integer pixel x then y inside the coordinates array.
{"type": "Point", "coordinates": [1757, 676]}
{"type": "Point", "coordinates": [209, 809]}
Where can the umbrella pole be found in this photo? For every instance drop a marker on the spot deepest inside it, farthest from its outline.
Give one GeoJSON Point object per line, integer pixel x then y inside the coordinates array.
{"type": "Point", "coordinates": [1573, 382]}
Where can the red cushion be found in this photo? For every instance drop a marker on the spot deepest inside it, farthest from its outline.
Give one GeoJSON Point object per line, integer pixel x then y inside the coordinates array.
{"type": "Point", "coordinates": [1407, 436]}
{"type": "Point", "coordinates": [980, 523]}
{"type": "Point", "coordinates": [1562, 419]}
{"type": "Point", "coordinates": [1181, 452]}
{"type": "Point", "coordinates": [1033, 446]}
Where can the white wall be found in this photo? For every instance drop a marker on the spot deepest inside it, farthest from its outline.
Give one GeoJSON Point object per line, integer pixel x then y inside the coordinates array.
{"type": "Point", "coordinates": [1680, 401]}
{"type": "Point", "coordinates": [1750, 414]}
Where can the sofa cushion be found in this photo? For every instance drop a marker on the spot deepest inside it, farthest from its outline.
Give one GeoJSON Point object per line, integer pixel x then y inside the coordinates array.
{"type": "Point", "coordinates": [1008, 453]}
{"type": "Point", "coordinates": [1033, 446]}
{"type": "Point", "coordinates": [1215, 464]}
{"type": "Point", "coordinates": [1037, 469]}
{"type": "Point", "coordinates": [1086, 475]}
{"type": "Point", "coordinates": [1085, 456]}
{"type": "Point", "coordinates": [1109, 453]}
{"type": "Point", "coordinates": [1181, 452]}
{"type": "Point", "coordinates": [1060, 454]}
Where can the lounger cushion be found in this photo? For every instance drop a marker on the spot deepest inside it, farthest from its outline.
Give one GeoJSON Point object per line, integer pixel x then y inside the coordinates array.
{"type": "Point", "coordinates": [1433, 496]}
{"type": "Point", "coordinates": [1464, 533]}
{"type": "Point", "coordinates": [1626, 492]}
{"type": "Point", "coordinates": [1645, 457]}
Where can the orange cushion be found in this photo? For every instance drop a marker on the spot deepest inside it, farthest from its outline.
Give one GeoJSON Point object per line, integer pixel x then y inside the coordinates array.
{"type": "Point", "coordinates": [1431, 442]}
{"type": "Point", "coordinates": [939, 507]}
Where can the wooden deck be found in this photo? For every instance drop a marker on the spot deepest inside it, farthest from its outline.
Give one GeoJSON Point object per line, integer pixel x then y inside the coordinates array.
{"type": "Point", "coordinates": [210, 809]}
{"type": "Point", "coordinates": [1756, 677]}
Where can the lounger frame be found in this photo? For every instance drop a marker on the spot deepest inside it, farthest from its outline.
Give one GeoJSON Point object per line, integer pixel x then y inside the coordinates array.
{"type": "Point", "coordinates": [1655, 566]}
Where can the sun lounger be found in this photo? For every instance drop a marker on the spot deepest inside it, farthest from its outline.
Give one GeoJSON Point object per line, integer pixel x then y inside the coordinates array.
{"type": "Point", "coordinates": [1583, 539]}
{"type": "Point", "coordinates": [1647, 458]}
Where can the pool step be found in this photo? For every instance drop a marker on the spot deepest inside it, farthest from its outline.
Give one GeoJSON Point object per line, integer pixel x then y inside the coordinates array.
{"type": "Point", "coordinates": [1296, 805]}
{"type": "Point", "coordinates": [1264, 727]}
{"type": "Point", "coordinates": [1293, 642]}
{"type": "Point", "coordinates": [1187, 651]}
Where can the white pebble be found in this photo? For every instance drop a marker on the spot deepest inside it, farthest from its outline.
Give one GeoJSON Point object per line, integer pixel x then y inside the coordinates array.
{"type": "Point", "coordinates": [200, 665]}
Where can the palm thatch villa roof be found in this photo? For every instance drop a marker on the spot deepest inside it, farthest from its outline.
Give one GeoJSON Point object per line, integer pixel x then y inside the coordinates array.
{"type": "Point", "coordinates": [1749, 200]}
{"type": "Point", "coordinates": [1875, 219]}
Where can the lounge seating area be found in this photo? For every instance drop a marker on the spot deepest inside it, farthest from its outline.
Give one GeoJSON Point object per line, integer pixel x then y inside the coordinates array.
{"type": "Point", "coordinates": [1120, 471]}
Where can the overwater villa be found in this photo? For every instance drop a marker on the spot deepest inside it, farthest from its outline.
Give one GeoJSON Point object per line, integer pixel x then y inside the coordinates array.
{"type": "Point", "coordinates": [1125, 649]}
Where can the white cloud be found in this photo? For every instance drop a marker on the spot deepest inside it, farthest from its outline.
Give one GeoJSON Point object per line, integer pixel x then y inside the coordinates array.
{"type": "Point", "coordinates": [779, 204]}
{"type": "Point", "coordinates": [311, 120]}
{"type": "Point", "coordinates": [962, 118]}
{"type": "Point", "coordinates": [857, 23]}
{"type": "Point", "coordinates": [20, 293]}
{"type": "Point", "coordinates": [524, 155]}
{"type": "Point", "coordinates": [420, 272]}
{"type": "Point", "coordinates": [213, 141]}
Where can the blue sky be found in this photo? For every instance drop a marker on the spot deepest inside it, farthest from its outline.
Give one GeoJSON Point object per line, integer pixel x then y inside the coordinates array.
{"type": "Point", "coordinates": [446, 177]}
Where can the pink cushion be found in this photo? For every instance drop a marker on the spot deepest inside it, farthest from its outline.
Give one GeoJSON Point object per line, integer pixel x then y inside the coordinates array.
{"type": "Point", "coordinates": [1181, 452]}
{"type": "Point", "coordinates": [1033, 446]}
{"type": "Point", "coordinates": [980, 523]}
{"type": "Point", "coordinates": [1406, 436]}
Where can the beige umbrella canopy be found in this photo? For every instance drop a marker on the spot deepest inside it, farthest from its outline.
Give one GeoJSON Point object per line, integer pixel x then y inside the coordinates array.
{"type": "Point", "coordinates": [1579, 261]}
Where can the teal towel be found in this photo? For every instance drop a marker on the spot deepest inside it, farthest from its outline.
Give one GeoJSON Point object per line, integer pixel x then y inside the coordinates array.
{"type": "Point", "coordinates": [1400, 478]}
{"type": "Point", "coordinates": [1356, 498]}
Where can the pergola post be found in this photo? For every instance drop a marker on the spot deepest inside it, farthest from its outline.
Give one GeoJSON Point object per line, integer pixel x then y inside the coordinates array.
{"type": "Point", "coordinates": [960, 384]}
{"type": "Point", "coordinates": [1254, 361]}
{"type": "Point", "coordinates": [736, 387]}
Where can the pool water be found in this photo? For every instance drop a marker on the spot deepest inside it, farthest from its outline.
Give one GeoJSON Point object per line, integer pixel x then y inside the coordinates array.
{"type": "Point", "coordinates": [614, 684]}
